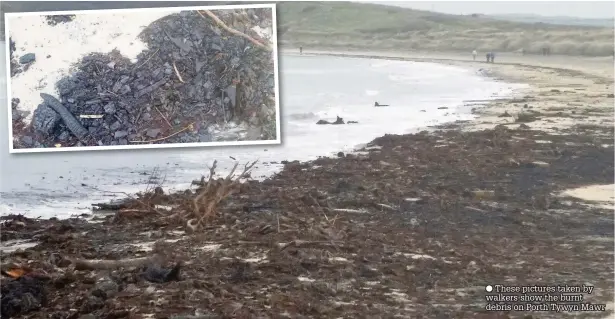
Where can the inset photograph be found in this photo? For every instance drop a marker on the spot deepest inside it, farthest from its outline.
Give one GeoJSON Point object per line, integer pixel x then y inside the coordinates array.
{"type": "Point", "coordinates": [143, 78]}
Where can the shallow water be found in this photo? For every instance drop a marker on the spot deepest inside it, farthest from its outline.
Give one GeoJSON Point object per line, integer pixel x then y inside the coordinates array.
{"type": "Point", "coordinates": [312, 88]}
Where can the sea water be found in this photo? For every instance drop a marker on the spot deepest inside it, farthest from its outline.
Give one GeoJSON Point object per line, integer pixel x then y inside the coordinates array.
{"type": "Point", "coordinates": [312, 88]}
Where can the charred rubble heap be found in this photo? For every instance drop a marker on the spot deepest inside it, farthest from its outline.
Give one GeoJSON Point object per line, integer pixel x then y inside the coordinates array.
{"type": "Point", "coordinates": [193, 75]}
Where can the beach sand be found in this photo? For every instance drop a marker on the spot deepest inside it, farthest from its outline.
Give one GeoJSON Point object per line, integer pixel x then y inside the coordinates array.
{"type": "Point", "coordinates": [564, 93]}
{"type": "Point", "coordinates": [411, 226]}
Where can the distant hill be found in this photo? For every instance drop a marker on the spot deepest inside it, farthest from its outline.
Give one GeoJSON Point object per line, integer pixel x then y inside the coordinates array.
{"type": "Point", "coordinates": [367, 26]}
{"type": "Point", "coordinates": [371, 26]}
{"type": "Point", "coordinates": [531, 18]}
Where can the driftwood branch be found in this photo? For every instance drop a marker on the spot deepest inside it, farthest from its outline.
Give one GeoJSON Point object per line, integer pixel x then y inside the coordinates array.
{"type": "Point", "coordinates": [231, 30]}
{"type": "Point", "coordinates": [98, 264]}
{"type": "Point", "coordinates": [213, 191]}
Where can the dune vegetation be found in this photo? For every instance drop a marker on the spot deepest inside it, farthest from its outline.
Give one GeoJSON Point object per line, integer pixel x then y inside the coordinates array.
{"type": "Point", "coordinates": [379, 27]}
{"type": "Point", "coordinates": [362, 26]}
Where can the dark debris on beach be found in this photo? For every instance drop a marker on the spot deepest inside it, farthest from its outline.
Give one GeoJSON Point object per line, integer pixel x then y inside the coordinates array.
{"type": "Point", "coordinates": [59, 18]}
{"type": "Point", "coordinates": [194, 78]}
{"type": "Point", "coordinates": [412, 226]}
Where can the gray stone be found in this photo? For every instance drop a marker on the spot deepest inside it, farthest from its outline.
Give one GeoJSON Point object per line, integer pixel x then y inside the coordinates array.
{"type": "Point", "coordinates": [45, 119]}
{"type": "Point", "coordinates": [120, 134]}
{"type": "Point", "coordinates": [27, 140]}
{"type": "Point", "coordinates": [231, 93]}
{"type": "Point", "coordinates": [115, 126]}
{"type": "Point", "coordinates": [27, 58]}
{"type": "Point", "coordinates": [110, 108]}
{"type": "Point", "coordinates": [146, 117]}
{"type": "Point", "coordinates": [23, 114]}
{"type": "Point", "coordinates": [105, 288]}
{"type": "Point", "coordinates": [71, 100]}
{"type": "Point", "coordinates": [204, 138]}
{"type": "Point", "coordinates": [125, 89]}
{"type": "Point", "coordinates": [152, 132]}
{"type": "Point", "coordinates": [123, 141]}
{"type": "Point", "coordinates": [64, 136]}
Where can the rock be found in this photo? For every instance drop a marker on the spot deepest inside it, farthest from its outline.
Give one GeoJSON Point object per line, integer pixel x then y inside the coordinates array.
{"type": "Point", "coordinates": [125, 89]}
{"type": "Point", "coordinates": [146, 117]}
{"type": "Point", "coordinates": [158, 274]}
{"type": "Point", "coordinates": [109, 108]}
{"type": "Point", "coordinates": [27, 141]}
{"type": "Point", "coordinates": [131, 288]}
{"type": "Point", "coordinates": [231, 93]}
{"type": "Point", "coordinates": [14, 102]}
{"type": "Point", "coordinates": [91, 304]}
{"type": "Point", "coordinates": [153, 133]}
{"type": "Point", "coordinates": [352, 122]}
{"type": "Point", "coordinates": [123, 141]}
{"type": "Point", "coordinates": [64, 136]}
{"type": "Point", "coordinates": [120, 134]}
{"type": "Point", "coordinates": [27, 58]}
{"type": "Point", "coordinates": [45, 119]}
{"type": "Point", "coordinates": [321, 122]}
{"type": "Point", "coordinates": [338, 121]}
{"type": "Point", "coordinates": [204, 138]}
{"type": "Point", "coordinates": [442, 108]}
{"type": "Point", "coordinates": [105, 288]}
{"type": "Point", "coordinates": [16, 115]}
{"type": "Point", "coordinates": [610, 95]}
{"type": "Point", "coordinates": [70, 100]}
{"type": "Point", "coordinates": [115, 126]}
{"type": "Point", "coordinates": [340, 154]}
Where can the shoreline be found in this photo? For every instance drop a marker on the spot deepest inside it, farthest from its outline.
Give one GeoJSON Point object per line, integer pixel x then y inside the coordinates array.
{"type": "Point", "coordinates": [462, 110]}
{"type": "Point", "coordinates": [411, 225]}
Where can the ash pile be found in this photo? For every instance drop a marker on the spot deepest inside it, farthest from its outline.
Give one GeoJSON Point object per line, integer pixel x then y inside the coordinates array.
{"type": "Point", "coordinates": [194, 80]}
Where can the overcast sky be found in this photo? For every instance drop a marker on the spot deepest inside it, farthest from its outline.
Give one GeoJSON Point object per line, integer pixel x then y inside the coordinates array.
{"type": "Point", "coordinates": [581, 9]}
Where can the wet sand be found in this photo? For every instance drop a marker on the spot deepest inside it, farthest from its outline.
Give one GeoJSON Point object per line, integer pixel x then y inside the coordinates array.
{"type": "Point", "coordinates": [410, 226]}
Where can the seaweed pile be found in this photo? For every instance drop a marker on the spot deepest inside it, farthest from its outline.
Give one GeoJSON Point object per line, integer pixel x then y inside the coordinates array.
{"type": "Point", "coordinates": [411, 227]}
{"type": "Point", "coordinates": [193, 80]}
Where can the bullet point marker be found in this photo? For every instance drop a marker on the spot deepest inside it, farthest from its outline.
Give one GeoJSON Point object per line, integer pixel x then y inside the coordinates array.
{"type": "Point", "coordinates": [489, 288]}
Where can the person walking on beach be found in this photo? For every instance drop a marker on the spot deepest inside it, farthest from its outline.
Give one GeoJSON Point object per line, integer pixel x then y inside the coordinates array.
{"type": "Point", "coordinates": [492, 56]}
{"type": "Point", "coordinates": [300, 50]}
{"type": "Point", "coordinates": [488, 55]}
{"type": "Point", "coordinates": [474, 53]}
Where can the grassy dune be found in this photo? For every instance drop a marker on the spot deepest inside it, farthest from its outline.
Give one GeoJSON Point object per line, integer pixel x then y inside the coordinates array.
{"type": "Point", "coordinates": [374, 26]}
{"type": "Point", "coordinates": [346, 25]}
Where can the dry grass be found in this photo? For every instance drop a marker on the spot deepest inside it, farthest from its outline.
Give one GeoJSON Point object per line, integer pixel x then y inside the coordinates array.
{"type": "Point", "coordinates": [379, 27]}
